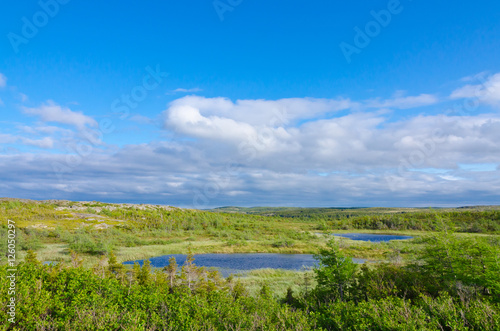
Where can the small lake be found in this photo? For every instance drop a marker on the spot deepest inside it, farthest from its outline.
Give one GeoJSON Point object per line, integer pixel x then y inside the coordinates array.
{"type": "Point", "coordinates": [372, 237]}
{"type": "Point", "coordinates": [240, 263]}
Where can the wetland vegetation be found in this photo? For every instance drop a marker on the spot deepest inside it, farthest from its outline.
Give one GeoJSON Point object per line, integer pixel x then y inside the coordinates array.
{"type": "Point", "coordinates": [446, 277]}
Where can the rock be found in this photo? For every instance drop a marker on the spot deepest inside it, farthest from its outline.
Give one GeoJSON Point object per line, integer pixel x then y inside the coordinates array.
{"type": "Point", "coordinates": [102, 226]}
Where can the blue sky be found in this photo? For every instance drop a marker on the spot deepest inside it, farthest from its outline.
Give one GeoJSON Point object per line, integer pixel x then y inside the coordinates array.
{"type": "Point", "coordinates": [210, 103]}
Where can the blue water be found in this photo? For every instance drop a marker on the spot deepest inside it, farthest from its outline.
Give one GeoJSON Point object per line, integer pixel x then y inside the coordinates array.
{"type": "Point", "coordinates": [372, 237]}
{"type": "Point", "coordinates": [241, 263]}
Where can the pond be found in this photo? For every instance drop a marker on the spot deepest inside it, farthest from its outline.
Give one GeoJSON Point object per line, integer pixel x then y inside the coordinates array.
{"type": "Point", "coordinates": [372, 237]}
{"type": "Point", "coordinates": [241, 263]}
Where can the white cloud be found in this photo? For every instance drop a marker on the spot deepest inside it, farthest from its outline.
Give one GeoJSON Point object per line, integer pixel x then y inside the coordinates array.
{"type": "Point", "coordinates": [357, 141]}
{"type": "Point", "coordinates": [452, 178]}
{"type": "Point", "coordinates": [488, 91]}
{"type": "Point", "coordinates": [264, 112]}
{"type": "Point", "coordinates": [402, 102]}
{"type": "Point", "coordinates": [474, 77]}
{"type": "Point", "coordinates": [7, 138]}
{"type": "Point", "coordinates": [46, 142]}
{"type": "Point", "coordinates": [467, 91]}
{"type": "Point", "coordinates": [188, 120]}
{"type": "Point", "coordinates": [349, 160]}
{"type": "Point", "coordinates": [51, 112]}
{"type": "Point", "coordinates": [3, 80]}
{"type": "Point", "coordinates": [304, 151]}
{"type": "Point", "coordinates": [185, 90]}
{"type": "Point", "coordinates": [253, 127]}
{"type": "Point", "coordinates": [44, 129]}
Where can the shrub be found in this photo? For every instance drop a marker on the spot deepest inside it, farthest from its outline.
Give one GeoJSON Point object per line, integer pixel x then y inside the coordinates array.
{"type": "Point", "coordinates": [83, 242]}
{"type": "Point", "coordinates": [283, 243]}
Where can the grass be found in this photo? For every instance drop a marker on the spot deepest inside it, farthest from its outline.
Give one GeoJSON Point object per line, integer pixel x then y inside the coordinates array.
{"type": "Point", "coordinates": [52, 228]}
{"type": "Point", "coordinates": [278, 280]}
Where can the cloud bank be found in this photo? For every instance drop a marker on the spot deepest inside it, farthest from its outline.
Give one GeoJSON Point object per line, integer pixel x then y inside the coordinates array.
{"type": "Point", "coordinates": [293, 151]}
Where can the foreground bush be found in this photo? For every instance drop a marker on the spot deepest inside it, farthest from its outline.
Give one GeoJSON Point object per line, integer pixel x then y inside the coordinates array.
{"type": "Point", "coordinates": [57, 298]}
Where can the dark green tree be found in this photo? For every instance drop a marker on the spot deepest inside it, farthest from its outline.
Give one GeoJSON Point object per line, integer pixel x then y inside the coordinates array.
{"type": "Point", "coordinates": [335, 273]}
{"type": "Point", "coordinates": [31, 257]}
{"type": "Point", "coordinates": [171, 271]}
{"type": "Point", "coordinates": [114, 268]}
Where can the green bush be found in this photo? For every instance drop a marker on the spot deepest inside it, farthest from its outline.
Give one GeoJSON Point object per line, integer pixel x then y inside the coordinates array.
{"type": "Point", "coordinates": [283, 243]}
{"type": "Point", "coordinates": [84, 242]}
{"type": "Point", "coordinates": [29, 239]}
{"type": "Point", "coordinates": [58, 298]}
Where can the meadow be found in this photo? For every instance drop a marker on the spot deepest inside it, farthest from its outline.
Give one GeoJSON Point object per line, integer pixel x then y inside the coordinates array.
{"type": "Point", "coordinates": [52, 228]}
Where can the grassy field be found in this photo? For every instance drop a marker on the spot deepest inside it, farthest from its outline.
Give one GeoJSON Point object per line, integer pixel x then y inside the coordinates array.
{"type": "Point", "coordinates": [278, 281]}
{"type": "Point", "coordinates": [53, 228]}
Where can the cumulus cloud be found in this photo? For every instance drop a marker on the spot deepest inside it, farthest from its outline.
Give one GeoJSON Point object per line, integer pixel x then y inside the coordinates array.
{"type": "Point", "coordinates": [303, 151]}
{"type": "Point", "coordinates": [359, 140]}
{"type": "Point", "coordinates": [488, 91]}
{"type": "Point", "coordinates": [356, 142]}
{"type": "Point", "coordinates": [52, 112]}
{"type": "Point", "coordinates": [264, 112]}
{"type": "Point", "coordinates": [188, 120]}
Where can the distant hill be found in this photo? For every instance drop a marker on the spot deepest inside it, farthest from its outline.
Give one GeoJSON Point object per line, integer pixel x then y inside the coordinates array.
{"type": "Point", "coordinates": [337, 212]}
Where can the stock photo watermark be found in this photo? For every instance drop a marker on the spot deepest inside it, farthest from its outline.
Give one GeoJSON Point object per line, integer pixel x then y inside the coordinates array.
{"type": "Point", "coordinates": [30, 27]}
{"type": "Point", "coordinates": [122, 106]}
{"type": "Point", "coordinates": [223, 6]}
{"type": "Point", "coordinates": [92, 138]}
{"type": "Point", "coordinates": [11, 271]}
{"type": "Point", "coordinates": [247, 149]}
{"type": "Point", "coordinates": [428, 147]}
{"type": "Point", "coordinates": [364, 36]}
